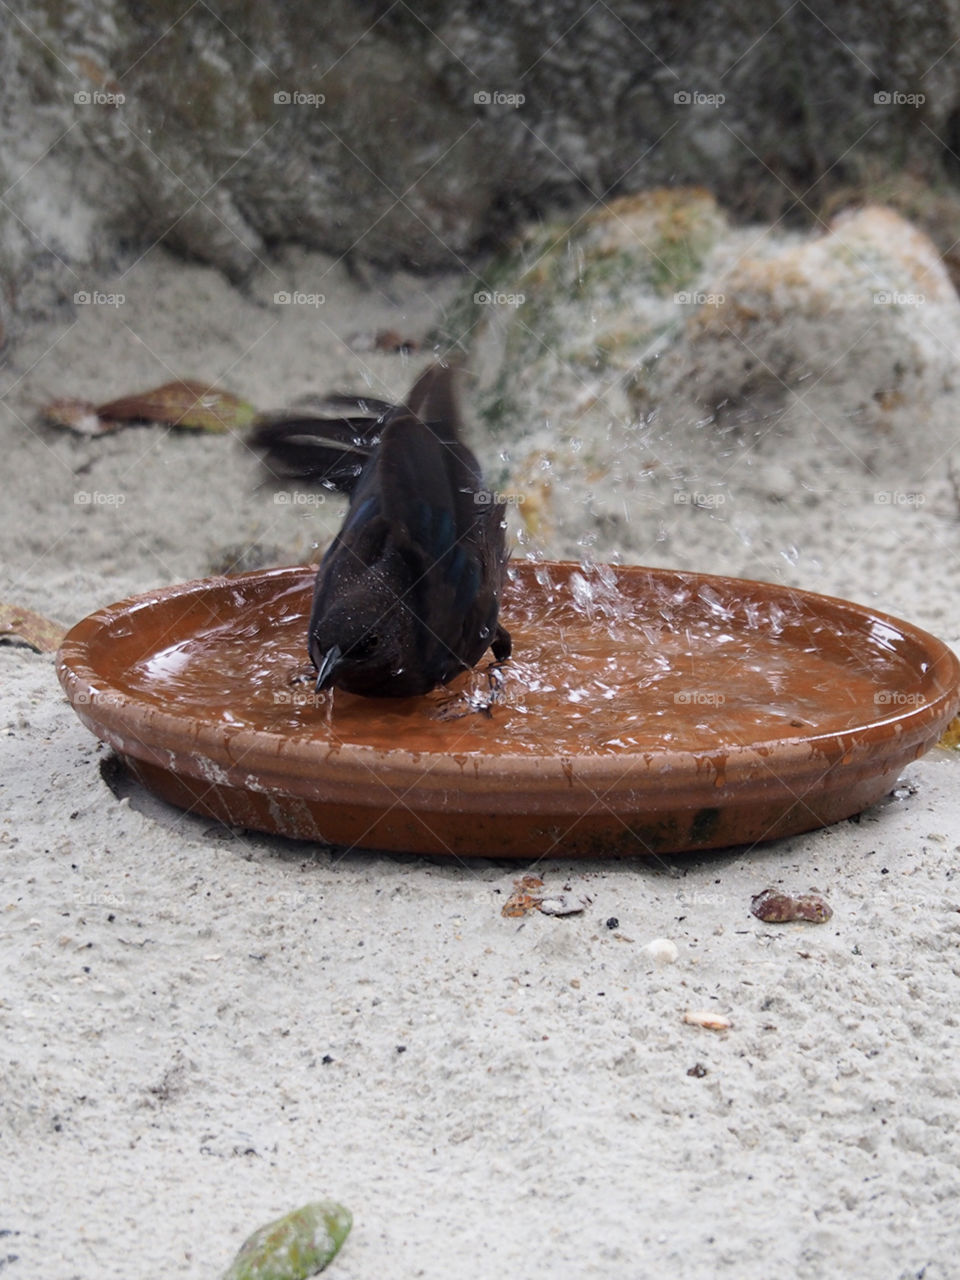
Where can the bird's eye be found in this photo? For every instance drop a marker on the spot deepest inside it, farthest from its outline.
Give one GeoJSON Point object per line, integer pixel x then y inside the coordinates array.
{"type": "Point", "coordinates": [365, 646]}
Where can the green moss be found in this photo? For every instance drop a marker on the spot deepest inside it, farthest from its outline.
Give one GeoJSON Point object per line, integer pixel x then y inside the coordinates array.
{"type": "Point", "coordinates": [593, 306]}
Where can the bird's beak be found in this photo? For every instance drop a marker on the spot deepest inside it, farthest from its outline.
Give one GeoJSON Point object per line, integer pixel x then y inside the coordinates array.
{"type": "Point", "coordinates": [327, 668]}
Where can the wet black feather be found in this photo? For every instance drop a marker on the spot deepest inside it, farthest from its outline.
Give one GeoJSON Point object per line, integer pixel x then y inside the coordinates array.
{"type": "Point", "coordinates": [408, 594]}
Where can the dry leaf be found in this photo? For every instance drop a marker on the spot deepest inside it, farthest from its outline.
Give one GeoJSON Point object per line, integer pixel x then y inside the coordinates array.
{"type": "Point", "coordinates": [76, 415]}
{"type": "Point", "coordinates": [526, 898]}
{"type": "Point", "coordinates": [522, 901]}
{"type": "Point", "coordinates": [192, 405]}
{"type": "Point", "coordinates": [30, 628]}
{"type": "Point", "coordinates": [951, 735]}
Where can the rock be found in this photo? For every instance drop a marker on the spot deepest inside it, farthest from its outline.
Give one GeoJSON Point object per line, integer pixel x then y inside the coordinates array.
{"type": "Point", "coordinates": [415, 137]}
{"type": "Point", "coordinates": [774, 907]}
{"type": "Point", "coordinates": [709, 1019]}
{"type": "Point", "coordinates": [295, 1247]}
{"type": "Point", "coordinates": [651, 356]}
{"type": "Point", "coordinates": [662, 951]}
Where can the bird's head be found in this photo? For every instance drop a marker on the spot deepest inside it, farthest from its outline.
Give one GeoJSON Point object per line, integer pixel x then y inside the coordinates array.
{"type": "Point", "coordinates": [365, 647]}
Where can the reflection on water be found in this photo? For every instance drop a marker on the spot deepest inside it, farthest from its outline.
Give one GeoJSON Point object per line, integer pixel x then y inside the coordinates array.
{"type": "Point", "coordinates": [605, 662]}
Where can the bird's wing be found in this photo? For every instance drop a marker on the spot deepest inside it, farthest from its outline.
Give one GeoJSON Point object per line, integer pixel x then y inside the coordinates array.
{"type": "Point", "coordinates": [413, 480]}
{"type": "Point", "coordinates": [332, 451]}
{"type": "Point", "coordinates": [358, 406]}
{"type": "Point", "coordinates": [451, 543]}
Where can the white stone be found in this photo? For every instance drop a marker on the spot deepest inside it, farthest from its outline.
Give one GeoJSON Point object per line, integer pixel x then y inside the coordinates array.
{"type": "Point", "coordinates": [662, 951]}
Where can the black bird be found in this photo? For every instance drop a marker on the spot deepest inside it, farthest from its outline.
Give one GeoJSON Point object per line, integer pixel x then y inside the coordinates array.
{"type": "Point", "coordinates": [408, 594]}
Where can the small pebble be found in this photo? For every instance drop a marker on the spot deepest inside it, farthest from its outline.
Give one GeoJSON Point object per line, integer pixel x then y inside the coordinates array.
{"type": "Point", "coordinates": [662, 951]}
{"type": "Point", "coordinates": [707, 1018]}
{"type": "Point", "coordinates": [294, 1247]}
{"type": "Point", "coordinates": [774, 907]}
{"type": "Point", "coordinates": [563, 905]}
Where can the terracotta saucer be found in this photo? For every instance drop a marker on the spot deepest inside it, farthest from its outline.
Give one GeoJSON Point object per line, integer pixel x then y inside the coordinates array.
{"type": "Point", "coordinates": [645, 711]}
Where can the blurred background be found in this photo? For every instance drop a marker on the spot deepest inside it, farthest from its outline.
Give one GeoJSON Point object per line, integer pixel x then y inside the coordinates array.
{"type": "Point", "coordinates": [422, 135]}
{"type": "Point", "coordinates": [698, 263]}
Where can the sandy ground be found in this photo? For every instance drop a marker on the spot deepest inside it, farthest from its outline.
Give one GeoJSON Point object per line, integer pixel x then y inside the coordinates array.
{"type": "Point", "coordinates": [204, 1028]}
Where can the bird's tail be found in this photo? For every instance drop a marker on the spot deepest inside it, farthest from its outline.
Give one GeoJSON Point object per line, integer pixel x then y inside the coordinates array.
{"type": "Point", "coordinates": [433, 400]}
